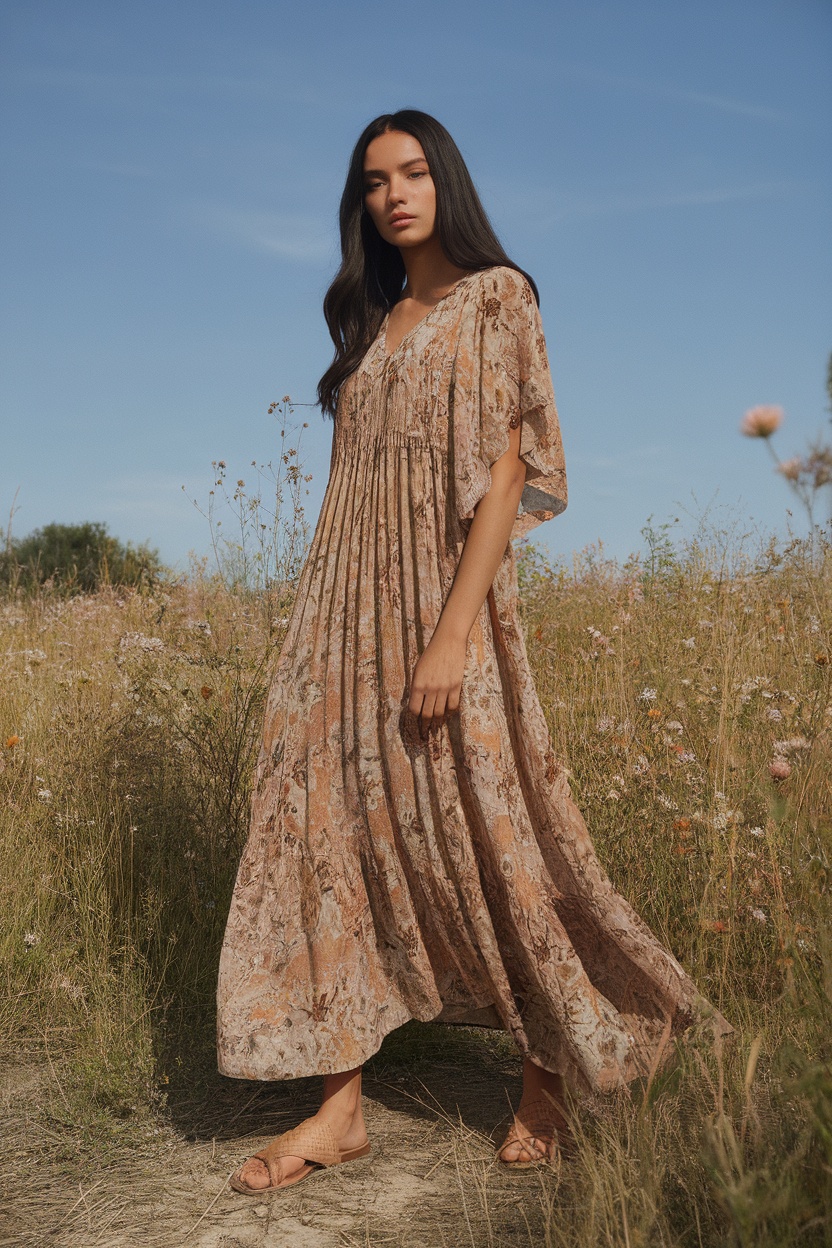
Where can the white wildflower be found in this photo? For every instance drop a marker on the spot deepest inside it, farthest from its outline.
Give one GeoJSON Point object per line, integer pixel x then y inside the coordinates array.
{"type": "Point", "coordinates": [30, 939]}
{"type": "Point", "coordinates": [757, 831]}
{"type": "Point", "coordinates": [673, 725]}
{"type": "Point", "coordinates": [44, 795]}
{"type": "Point", "coordinates": [605, 724]}
{"type": "Point", "coordinates": [139, 641]}
{"type": "Point", "coordinates": [647, 695]}
{"type": "Point", "coordinates": [774, 715]}
{"type": "Point", "coordinates": [759, 915]}
{"type": "Point", "coordinates": [689, 642]}
{"type": "Point", "coordinates": [641, 765]}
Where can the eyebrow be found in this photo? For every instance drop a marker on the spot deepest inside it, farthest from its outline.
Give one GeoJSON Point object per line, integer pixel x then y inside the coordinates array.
{"type": "Point", "coordinates": [379, 173]}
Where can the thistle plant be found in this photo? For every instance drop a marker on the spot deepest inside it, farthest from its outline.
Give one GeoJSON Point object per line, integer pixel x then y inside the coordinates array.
{"type": "Point", "coordinates": [807, 475]}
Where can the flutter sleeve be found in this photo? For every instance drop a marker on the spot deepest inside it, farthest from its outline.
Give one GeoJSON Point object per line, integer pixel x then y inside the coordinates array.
{"type": "Point", "coordinates": [501, 380]}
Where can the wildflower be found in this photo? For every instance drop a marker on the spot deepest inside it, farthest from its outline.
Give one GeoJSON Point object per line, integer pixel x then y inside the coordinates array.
{"type": "Point", "coordinates": [613, 796]}
{"type": "Point", "coordinates": [207, 692]}
{"type": "Point", "coordinates": [647, 695]}
{"type": "Point", "coordinates": [681, 825]}
{"type": "Point", "coordinates": [821, 659]}
{"type": "Point", "coordinates": [667, 802]}
{"type": "Point", "coordinates": [774, 715]}
{"type": "Point", "coordinates": [761, 422]}
{"type": "Point", "coordinates": [673, 725]}
{"type": "Point", "coordinates": [780, 768]}
{"type": "Point", "coordinates": [717, 925]}
{"type": "Point", "coordinates": [687, 756]}
{"type": "Point", "coordinates": [30, 939]}
{"type": "Point", "coordinates": [141, 642]}
{"type": "Point", "coordinates": [654, 713]}
{"type": "Point", "coordinates": [792, 744]}
{"type": "Point", "coordinates": [12, 741]}
{"type": "Point", "coordinates": [689, 642]}
{"type": "Point", "coordinates": [641, 765]}
{"type": "Point", "coordinates": [759, 915]}
{"type": "Point", "coordinates": [44, 795]}
{"type": "Point", "coordinates": [605, 724]}
{"type": "Point", "coordinates": [757, 831]}
{"type": "Point", "coordinates": [791, 468]}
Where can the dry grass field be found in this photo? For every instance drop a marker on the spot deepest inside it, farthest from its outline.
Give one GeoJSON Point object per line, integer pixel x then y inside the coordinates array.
{"type": "Point", "coordinates": [690, 694]}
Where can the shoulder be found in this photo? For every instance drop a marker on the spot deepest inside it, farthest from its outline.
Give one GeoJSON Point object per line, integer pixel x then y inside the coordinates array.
{"type": "Point", "coordinates": [501, 289]}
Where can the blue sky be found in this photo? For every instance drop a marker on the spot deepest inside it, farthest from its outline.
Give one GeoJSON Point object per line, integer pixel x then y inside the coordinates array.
{"type": "Point", "coordinates": [171, 180]}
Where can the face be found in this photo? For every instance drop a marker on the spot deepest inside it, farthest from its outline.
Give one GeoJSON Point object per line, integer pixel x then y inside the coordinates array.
{"type": "Point", "coordinates": [399, 192]}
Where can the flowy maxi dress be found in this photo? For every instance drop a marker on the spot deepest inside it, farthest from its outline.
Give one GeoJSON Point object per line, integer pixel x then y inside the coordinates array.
{"type": "Point", "coordinates": [387, 877]}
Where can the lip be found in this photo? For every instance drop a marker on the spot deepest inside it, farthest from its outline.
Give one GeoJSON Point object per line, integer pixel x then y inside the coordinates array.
{"type": "Point", "coordinates": [402, 219]}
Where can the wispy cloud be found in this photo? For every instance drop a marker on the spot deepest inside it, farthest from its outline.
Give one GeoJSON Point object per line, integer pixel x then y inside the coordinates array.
{"type": "Point", "coordinates": [151, 496]}
{"type": "Point", "coordinates": [669, 91]}
{"type": "Point", "coordinates": [636, 461]}
{"type": "Point", "coordinates": [543, 207]}
{"type": "Point", "coordinates": [120, 169]}
{"type": "Point", "coordinates": [301, 237]}
{"type": "Point", "coordinates": [139, 90]}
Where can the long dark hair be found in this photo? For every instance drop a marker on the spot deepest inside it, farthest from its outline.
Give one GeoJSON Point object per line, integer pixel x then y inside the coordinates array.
{"type": "Point", "coordinates": [372, 272]}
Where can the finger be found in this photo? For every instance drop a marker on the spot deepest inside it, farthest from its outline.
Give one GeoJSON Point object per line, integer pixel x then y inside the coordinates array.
{"type": "Point", "coordinates": [439, 708]}
{"type": "Point", "coordinates": [427, 711]}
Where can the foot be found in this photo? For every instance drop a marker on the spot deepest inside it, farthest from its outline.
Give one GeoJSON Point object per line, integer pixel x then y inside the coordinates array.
{"type": "Point", "coordinates": [341, 1111]}
{"type": "Point", "coordinates": [539, 1120]}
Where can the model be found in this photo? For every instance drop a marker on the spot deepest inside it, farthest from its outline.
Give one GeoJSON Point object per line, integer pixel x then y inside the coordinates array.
{"type": "Point", "coordinates": [414, 851]}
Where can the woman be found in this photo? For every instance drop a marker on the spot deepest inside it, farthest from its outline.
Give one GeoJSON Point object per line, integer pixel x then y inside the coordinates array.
{"type": "Point", "coordinates": [414, 851]}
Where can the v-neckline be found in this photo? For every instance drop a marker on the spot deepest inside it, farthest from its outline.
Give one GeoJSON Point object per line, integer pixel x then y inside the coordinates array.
{"type": "Point", "coordinates": [388, 355]}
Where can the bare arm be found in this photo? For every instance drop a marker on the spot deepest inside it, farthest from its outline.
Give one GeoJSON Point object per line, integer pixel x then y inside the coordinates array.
{"type": "Point", "coordinates": [437, 677]}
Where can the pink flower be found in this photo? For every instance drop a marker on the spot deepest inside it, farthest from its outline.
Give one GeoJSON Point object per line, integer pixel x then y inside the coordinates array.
{"type": "Point", "coordinates": [791, 468]}
{"type": "Point", "coordinates": [761, 422]}
{"type": "Point", "coordinates": [779, 768]}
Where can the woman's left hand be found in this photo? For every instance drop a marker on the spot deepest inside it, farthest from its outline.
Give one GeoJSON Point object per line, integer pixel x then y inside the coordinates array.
{"type": "Point", "coordinates": [437, 680]}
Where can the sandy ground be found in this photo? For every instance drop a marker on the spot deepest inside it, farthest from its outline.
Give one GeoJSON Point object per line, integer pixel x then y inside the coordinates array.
{"type": "Point", "coordinates": [431, 1180]}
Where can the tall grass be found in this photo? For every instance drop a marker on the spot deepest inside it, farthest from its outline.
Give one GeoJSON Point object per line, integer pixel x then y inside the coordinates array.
{"type": "Point", "coordinates": [129, 723]}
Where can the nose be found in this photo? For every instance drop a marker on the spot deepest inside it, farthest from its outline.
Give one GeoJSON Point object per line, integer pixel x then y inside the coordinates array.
{"type": "Point", "coordinates": [396, 192]}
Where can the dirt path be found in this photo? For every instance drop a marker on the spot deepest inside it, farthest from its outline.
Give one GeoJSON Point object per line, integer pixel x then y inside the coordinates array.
{"type": "Point", "coordinates": [430, 1182]}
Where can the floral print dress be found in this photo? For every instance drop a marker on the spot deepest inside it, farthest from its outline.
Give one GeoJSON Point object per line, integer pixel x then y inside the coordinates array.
{"type": "Point", "coordinates": [388, 877]}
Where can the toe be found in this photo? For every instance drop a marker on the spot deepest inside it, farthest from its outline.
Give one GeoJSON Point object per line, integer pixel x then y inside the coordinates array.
{"type": "Point", "coordinates": [255, 1173]}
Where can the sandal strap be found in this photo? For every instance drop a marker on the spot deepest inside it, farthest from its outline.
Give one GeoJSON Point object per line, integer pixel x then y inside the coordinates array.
{"type": "Point", "coordinates": [313, 1141]}
{"type": "Point", "coordinates": [540, 1120]}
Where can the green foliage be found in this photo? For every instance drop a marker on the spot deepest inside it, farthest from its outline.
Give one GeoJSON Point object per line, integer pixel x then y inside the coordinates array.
{"type": "Point", "coordinates": [76, 558]}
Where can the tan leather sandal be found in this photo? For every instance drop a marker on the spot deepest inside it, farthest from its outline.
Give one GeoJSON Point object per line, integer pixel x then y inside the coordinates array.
{"type": "Point", "coordinates": [543, 1121]}
{"type": "Point", "coordinates": [315, 1142]}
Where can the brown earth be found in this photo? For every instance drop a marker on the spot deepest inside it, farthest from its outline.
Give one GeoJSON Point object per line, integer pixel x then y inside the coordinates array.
{"type": "Point", "coordinates": [436, 1102]}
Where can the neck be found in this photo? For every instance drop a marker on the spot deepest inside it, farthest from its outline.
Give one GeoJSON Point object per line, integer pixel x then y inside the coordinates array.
{"type": "Point", "coordinates": [429, 271]}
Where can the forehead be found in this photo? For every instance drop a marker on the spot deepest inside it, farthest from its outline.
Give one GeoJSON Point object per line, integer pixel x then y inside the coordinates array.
{"type": "Point", "coordinates": [392, 149]}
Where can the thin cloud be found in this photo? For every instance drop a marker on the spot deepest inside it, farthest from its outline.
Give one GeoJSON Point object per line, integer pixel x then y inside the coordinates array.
{"type": "Point", "coordinates": [547, 208]}
{"type": "Point", "coordinates": [721, 103]}
{"type": "Point", "coordinates": [303, 238]}
{"type": "Point", "coordinates": [636, 461]}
